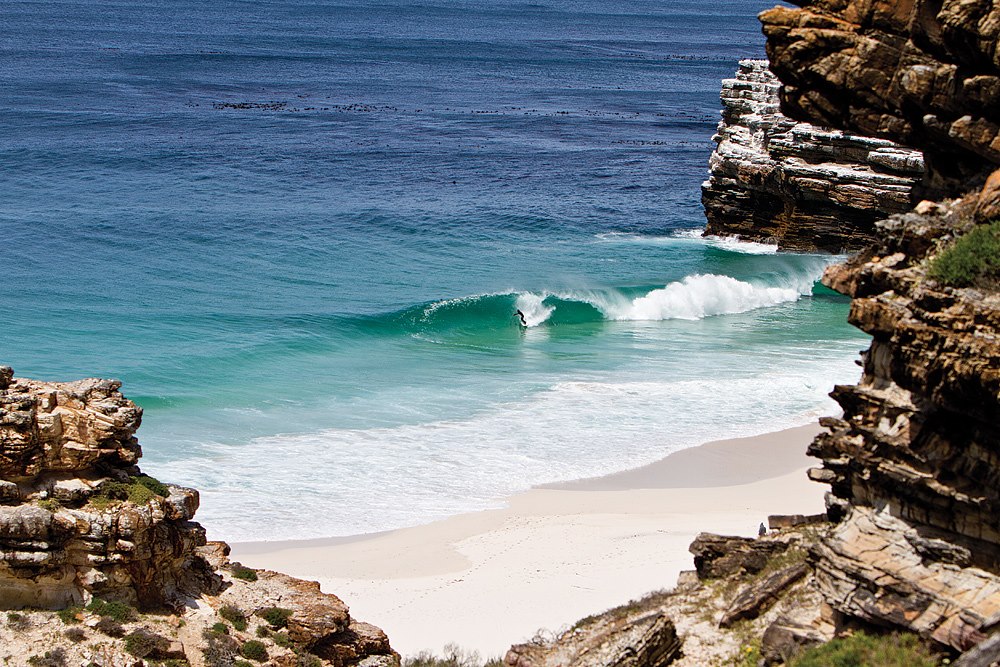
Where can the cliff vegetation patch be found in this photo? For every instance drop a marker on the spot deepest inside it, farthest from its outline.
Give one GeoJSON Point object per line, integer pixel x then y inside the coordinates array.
{"type": "Point", "coordinates": [864, 650]}
{"type": "Point", "coordinates": [973, 260]}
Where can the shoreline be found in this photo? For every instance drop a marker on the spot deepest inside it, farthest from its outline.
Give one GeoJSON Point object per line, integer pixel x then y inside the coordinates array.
{"type": "Point", "coordinates": [555, 553]}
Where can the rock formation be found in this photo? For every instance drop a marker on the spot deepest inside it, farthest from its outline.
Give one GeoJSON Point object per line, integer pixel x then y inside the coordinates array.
{"type": "Point", "coordinates": [925, 74]}
{"type": "Point", "coordinates": [803, 187]}
{"type": "Point", "coordinates": [914, 464]}
{"type": "Point", "coordinates": [67, 462]}
{"type": "Point", "coordinates": [81, 525]}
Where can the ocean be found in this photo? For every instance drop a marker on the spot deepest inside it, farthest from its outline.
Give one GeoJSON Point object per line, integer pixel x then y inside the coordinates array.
{"type": "Point", "coordinates": [299, 232]}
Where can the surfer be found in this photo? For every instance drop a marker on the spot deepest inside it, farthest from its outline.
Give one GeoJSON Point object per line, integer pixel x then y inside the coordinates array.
{"type": "Point", "coordinates": [524, 322]}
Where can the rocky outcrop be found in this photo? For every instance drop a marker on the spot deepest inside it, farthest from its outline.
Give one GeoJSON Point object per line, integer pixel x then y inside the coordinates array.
{"type": "Point", "coordinates": [925, 74]}
{"type": "Point", "coordinates": [80, 524]}
{"type": "Point", "coordinates": [914, 463]}
{"type": "Point", "coordinates": [647, 641]}
{"type": "Point", "coordinates": [78, 518]}
{"type": "Point", "coordinates": [803, 187]}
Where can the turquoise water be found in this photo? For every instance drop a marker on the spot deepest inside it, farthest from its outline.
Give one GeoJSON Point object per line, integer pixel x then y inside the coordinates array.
{"type": "Point", "coordinates": [299, 233]}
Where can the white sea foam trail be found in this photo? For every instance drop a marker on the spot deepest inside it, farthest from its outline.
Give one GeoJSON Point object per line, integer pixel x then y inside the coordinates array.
{"type": "Point", "coordinates": [700, 296]}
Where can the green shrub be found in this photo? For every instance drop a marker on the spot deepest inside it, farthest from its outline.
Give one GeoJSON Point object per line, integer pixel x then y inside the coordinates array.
{"type": "Point", "coordinates": [142, 642]}
{"type": "Point", "coordinates": [282, 639]}
{"type": "Point", "coordinates": [244, 573]}
{"type": "Point", "coordinates": [864, 650]}
{"type": "Point", "coordinates": [138, 491]}
{"type": "Point", "coordinates": [276, 617]}
{"type": "Point", "coordinates": [69, 615]}
{"type": "Point", "coordinates": [974, 259]}
{"type": "Point", "coordinates": [119, 611]}
{"type": "Point", "coordinates": [220, 628]}
{"type": "Point", "coordinates": [242, 663]}
{"type": "Point", "coordinates": [262, 631]}
{"type": "Point", "coordinates": [234, 616]}
{"type": "Point", "coordinates": [254, 650]}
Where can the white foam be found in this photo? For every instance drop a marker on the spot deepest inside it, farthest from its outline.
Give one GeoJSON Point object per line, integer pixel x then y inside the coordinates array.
{"type": "Point", "coordinates": [734, 244]}
{"type": "Point", "coordinates": [701, 296]}
{"type": "Point", "coordinates": [534, 309]}
{"type": "Point", "coordinates": [348, 481]}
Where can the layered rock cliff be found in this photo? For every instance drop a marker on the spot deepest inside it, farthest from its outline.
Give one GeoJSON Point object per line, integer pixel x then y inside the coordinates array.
{"type": "Point", "coordinates": [914, 464]}
{"type": "Point", "coordinates": [85, 532]}
{"type": "Point", "coordinates": [923, 73]}
{"type": "Point", "coordinates": [803, 187]}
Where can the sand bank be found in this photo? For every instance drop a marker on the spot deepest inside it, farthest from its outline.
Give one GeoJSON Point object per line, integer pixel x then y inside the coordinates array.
{"type": "Point", "coordinates": [487, 579]}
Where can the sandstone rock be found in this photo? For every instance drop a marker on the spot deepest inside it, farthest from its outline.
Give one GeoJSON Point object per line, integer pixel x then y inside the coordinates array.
{"type": "Point", "coordinates": [780, 521]}
{"type": "Point", "coordinates": [798, 185]}
{"type": "Point", "coordinates": [783, 640]}
{"type": "Point", "coordinates": [868, 569]}
{"type": "Point", "coordinates": [988, 203]}
{"type": "Point", "coordinates": [984, 654]}
{"type": "Point", "coordinates": [648, 641]}
{"type": "Point", "coordinates": [720, 555]}
{"type": "Point", "coordinates": [756, 597]}
{"type": "Point", "coordinates": [65, 427]}
{"type": "Point", "coordinates": [921, 74]}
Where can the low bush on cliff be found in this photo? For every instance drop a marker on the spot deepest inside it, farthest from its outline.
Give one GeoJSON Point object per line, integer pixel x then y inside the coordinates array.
{"type": "Point", "coordinates": [864, 650]}
{"type": "Point", "coordinates": [118, 611]}
{"type": "Point", "coordinates": [138, 491]}
{"type": "Point", "coordinates": [235, 616]}
{"type": "Point", "coordinates": [974, 259]}
{"type": "Point", "coordinates": [276, 617]}
{"type": "Point", "coordinates": [243, 573]}
{"type": "Point", "coordinates": [254, 650]}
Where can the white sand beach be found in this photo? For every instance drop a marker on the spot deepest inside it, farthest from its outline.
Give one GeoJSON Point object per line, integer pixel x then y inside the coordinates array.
{"type": "Point", "coordinates": [488, 579]}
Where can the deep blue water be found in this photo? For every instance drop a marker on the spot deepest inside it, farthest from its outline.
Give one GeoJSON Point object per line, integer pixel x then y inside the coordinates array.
{"type": "Point", "coordinates": [298, 232]}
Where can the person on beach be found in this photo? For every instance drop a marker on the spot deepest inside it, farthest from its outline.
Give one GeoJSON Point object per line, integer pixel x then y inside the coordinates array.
{"type": "Point", "coordinates": [524, 322]}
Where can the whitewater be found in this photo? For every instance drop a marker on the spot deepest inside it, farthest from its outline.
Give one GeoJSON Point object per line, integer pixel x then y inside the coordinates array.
{"type": "Point", "coordinates": [300, 234]}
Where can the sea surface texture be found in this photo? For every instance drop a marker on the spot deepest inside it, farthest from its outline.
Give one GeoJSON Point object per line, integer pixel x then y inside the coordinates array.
{"type": "Point", "coordinates": [299, 233]}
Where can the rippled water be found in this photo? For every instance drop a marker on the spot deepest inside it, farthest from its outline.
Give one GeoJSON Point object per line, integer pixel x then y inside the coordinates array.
{"type": "Point", "coordinates": [299, 233]}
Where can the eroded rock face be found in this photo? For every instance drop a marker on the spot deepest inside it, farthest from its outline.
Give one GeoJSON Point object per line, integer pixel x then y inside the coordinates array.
{"type": "Point", "coordinates": [650, 640]}
{"type": "Point", "coordinates": [51, 427]}
{"type": "Point", "coordinates": [62, 538]}
{"type": "Point", "coordinates": [803, 187]}
{"type": "Point", "coordinates": [923, 73]}
{"type": "Point", "coordinates": [914, 464]}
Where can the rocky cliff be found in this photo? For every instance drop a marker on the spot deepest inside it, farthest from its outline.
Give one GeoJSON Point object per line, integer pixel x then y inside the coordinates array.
{"type": "Point", "coordinates": [914, 464]}
{"type": "Point", "coordinates": [922, 73]}
{"type": "Point", "coordinates": [85, 532]}
{"type": "Point", "coordinates": [803, 187]}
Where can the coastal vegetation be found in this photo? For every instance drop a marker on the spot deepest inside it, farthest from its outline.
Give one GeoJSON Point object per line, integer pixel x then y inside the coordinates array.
{"type": "Point", "coordinates": [972, 260]}
{"type": "Point", "coordinates": [865, 650]}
